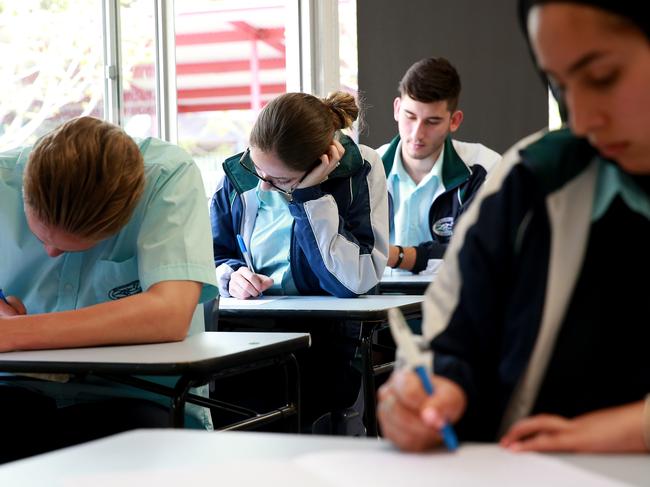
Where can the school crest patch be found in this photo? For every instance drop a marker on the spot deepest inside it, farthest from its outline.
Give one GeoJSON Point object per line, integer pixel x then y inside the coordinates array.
{"type": "Point", "coordinates": [444, 227]}
{"type": "Point", "coordinates": [125, 290]}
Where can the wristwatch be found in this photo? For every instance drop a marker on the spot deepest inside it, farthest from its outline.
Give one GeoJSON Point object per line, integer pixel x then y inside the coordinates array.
{"type": "Point", "coordinates": [400, 256]}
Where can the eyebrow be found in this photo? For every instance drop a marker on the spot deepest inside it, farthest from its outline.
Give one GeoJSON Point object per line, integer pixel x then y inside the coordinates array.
{"type": "Point", "coordinates": [434, 117]}
{"type": "Point", "coordinates": [584, 60]}
{"type": "Point", "coordinates": [277, 178]}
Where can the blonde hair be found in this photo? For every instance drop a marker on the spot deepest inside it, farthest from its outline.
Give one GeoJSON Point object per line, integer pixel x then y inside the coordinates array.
{"type": "Point", "coordinates": [299, 127]}
{"type": "Point", "coordinates": [85, 178]}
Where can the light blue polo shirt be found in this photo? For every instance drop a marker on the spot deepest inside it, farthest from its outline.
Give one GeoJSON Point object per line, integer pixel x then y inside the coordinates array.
{"type": "Point", "coordinates": [612, 181]}
{"type": "Point", "coordinates": [412, 202]}
{"type": "Point", "coordinates": [271, 241]}
{"type": "Point", "coordinates": [167, 238]}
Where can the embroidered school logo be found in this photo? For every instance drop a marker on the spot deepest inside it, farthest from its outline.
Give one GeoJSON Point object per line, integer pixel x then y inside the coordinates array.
{"type": "Point", "coordinates": [444, 227]}
{"type": "Point", "coordinates": [126, 290]}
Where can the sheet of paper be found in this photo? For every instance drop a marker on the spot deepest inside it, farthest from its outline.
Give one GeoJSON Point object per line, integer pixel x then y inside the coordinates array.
{"type": "Point", "coordinates": [249, 473]}
{"type": "Point", "coordinates": [234, 302]}
{"type": "Point", "coordinates": [469, 466]}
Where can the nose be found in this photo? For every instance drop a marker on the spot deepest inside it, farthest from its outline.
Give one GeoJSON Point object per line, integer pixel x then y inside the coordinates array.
{"type": "Point", "coordinates": [416, 129]}
{"type": "Point", "coordinates": [586, 114]}
{"type": "Point", "coordinates": [266, 186]}
{"type": "Point", "coordinates": [52, 251]}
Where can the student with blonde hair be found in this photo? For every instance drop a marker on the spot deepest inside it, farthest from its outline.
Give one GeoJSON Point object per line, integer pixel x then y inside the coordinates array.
{"type": "Point", "coordinates": [104, 241]}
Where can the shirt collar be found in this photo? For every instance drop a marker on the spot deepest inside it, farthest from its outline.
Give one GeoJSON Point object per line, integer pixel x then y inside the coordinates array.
{"type": "Point", "coordinates": [612, 181]}
{"type": "Point", "coordinates": [398, 172]}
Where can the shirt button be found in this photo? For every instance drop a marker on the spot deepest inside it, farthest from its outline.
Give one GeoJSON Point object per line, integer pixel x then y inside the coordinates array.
{"type": "Point", "coordinates": [68, 288]}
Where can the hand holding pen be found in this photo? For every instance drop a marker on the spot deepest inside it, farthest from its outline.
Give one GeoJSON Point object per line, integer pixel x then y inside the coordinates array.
{"type": "Point", "coordinates": [416, 408]}
{"type": "Point", "coordinates": [244, 282]}
{"type": "Point", "coordinates": [11, 306]}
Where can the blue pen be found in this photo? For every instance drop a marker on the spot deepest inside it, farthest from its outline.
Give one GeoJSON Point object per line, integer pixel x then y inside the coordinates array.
{"type": "Point", "coordinates": [3, 297]}
{"type": "Point", "coordinates": [418, 362]}
{"type": "Point", "coordinates": [247, 257]}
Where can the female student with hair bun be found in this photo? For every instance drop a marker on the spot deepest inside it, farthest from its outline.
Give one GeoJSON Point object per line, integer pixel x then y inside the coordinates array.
{"type": "Point", "coordinates": [310, 204]}
{"type": "Point", "coordinates": [311, 207]}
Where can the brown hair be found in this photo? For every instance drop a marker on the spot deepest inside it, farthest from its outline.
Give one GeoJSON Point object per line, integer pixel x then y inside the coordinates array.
{"type": "Point", "coordinates": [298, 128]}
{"type": "Point", "coordinates": [85, 178]}
{"type": "Point", "coordinates": [431, 80]}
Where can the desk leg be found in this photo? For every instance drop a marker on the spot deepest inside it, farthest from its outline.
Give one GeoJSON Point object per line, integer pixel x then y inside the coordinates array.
{"type": "Point", "coordinates": [370, 402]}
{"type": "Point", "coordinates": [293, 393]}
{"type": "Point", "coordinates": [177, 412]}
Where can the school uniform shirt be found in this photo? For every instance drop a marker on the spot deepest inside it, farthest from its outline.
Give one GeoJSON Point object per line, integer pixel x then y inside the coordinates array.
{"type": "Point", "coordinates": [339, 236]}
{"type": "Point", "coordinates": [167, 238]}
{"type": "Point", "coordinates": [271, 241]}
{"type": "Point", "coordinates": [412, 202]}
{"type": "Point", "coordinates": [459, 172]}
{"type": "Point", "coordinates": [538, 308]}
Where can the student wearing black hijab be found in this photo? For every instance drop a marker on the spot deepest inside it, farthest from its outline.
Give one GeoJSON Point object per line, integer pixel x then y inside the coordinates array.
{"type": "Point", "coordinates": [539, 328]}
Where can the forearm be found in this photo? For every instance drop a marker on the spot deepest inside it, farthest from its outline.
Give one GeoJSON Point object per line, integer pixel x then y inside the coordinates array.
{"type": "Point", "coordinates": [160, 314]}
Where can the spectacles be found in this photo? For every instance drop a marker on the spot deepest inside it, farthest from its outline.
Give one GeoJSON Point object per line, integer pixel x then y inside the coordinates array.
{"type": "Point", "coordinates": [253, 171]}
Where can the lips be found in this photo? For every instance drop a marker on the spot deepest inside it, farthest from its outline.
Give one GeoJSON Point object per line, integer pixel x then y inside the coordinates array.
{"type": "Point", "coordinates": [612, 150]}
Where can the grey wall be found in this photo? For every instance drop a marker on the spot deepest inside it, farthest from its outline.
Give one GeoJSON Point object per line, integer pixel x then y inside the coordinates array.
{"type": "Point", "coordinates": [502, 96]}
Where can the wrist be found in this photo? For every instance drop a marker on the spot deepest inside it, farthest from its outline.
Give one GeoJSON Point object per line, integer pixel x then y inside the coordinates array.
{"type": "Point", "coordinates": [646, 422]}
{"type": "Point", "coordinates": [399, 257]}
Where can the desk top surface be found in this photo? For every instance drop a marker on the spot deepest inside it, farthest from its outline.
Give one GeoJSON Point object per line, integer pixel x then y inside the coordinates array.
{"type": "Point", "coordinates": [246, 458]}
{"type": "Point", "coordinates": [363, 307]}
{"type": "Point", "coordinates": [200, 352]}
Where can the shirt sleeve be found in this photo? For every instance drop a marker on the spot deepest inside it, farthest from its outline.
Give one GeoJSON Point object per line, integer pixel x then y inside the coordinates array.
{"type": "Point", "coordinates": [174, 241]}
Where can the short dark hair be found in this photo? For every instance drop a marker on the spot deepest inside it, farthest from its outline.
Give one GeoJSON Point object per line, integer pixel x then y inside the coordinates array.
{"type": "Point", "coordinates": [430, 80]}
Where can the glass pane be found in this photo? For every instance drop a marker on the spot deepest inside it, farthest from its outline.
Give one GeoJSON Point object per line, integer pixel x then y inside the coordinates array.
{"type": "Point", "coordinates": [52, 66]}
{"type": "Point", "coordinates": [138, 67]}
{"type": "Point", "coordinates": [230, 61]}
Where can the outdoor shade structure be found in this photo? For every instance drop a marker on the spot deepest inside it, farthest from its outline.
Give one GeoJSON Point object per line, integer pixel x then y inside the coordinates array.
{"type": "Point", "coordinates": [226, 59]}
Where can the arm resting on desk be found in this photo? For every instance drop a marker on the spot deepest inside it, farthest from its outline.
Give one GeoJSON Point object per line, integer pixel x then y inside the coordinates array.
{"type": "Point", "coordinates": [612, 430]}
{"type": "Point", "coordinates": [162, 313]}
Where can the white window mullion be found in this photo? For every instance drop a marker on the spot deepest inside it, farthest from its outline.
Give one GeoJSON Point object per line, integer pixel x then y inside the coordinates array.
{"type": "Point", "coordinates": [112, 62]}
{"type": "Point", "coordinates": [319, 46]}
{"type": "Point", "coordinates": [166, 96]}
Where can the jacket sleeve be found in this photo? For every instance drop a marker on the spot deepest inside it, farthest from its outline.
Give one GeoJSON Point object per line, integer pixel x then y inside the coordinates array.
{"type": "Point", "coordinates": [348, 253]}
{"type": "Point", "coordinates": [227, 258]}
{"type": "Point", "coordinates": [466, 309]}
{"type": "Point", "coordinates": [435, 249]}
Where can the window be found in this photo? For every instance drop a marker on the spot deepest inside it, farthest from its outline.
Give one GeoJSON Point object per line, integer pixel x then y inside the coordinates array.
{"type": "Point", "coordinates": [230, 61]}
{"type": "Point", "coordinates": [52, 66]}
{"type": "Point", "coordinates": [138, 68]}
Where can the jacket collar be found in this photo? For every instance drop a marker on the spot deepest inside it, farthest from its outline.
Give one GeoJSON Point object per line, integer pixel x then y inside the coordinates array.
{"type": "Point", "coordinates": [243, 181]}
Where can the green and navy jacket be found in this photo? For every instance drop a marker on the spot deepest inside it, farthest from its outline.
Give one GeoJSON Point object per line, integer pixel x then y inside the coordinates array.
{"type": "Point", "coordinates": [540, 305]}
{"type": "Point", "coordinates": [464, 168]}
{"type": "Point", "coordinates": [339, 238]}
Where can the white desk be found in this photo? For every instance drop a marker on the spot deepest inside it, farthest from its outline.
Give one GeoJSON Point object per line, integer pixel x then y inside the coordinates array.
{"type": "Point", "coordinates": [370, 310]}
{"type": "Point", "coordinates": [195, 359]}
{"type": "Point", "coordinates": [405, 283]}
{"type": "Point", "coordinates": [182, 457]}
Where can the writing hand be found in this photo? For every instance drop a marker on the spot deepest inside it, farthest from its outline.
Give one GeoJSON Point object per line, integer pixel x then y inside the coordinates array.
{"type": "Point", "coordinates": [14, 308]}
{"type": "Point", "coordinates": [410, 418]}
{"type": "Point", "coordinates": [246, 284]}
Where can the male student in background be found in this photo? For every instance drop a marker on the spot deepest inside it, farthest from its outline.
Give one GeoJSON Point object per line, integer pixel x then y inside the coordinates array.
{"type": "Point", "coordinates": [431, 177]}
